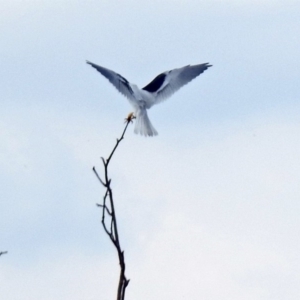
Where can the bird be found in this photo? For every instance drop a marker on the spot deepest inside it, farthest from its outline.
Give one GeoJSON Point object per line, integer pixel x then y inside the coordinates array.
{"type": "Point", "coordinates": [159, 89]}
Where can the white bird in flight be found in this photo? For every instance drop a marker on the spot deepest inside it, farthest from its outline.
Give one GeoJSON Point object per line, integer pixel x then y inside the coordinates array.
{"type": "Point", "coordinates": [160, 88]}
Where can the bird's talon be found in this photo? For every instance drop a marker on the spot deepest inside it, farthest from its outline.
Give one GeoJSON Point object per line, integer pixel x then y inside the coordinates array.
{"type": "Point", "coordinates": [130, 117]}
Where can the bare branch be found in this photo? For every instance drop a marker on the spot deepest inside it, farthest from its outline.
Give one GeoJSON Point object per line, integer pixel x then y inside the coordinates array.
{"type": "Point", "coordinates": [105, 207]}
{"type": "Point", "coordinates": [3, 252]}
{"type": "Point", "coordinates": [128, 120]}
{"type": "Point", "coordinates": [108, 210]}
{"type": "Point", "coordinates": [97, 175]}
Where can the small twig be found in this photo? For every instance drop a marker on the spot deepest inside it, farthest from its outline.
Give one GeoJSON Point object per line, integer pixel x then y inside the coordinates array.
{"type": "Point", "coordinates": [105, 207]}
{"type": "Point", "coordinates": [94, 169]}
{"type": "Point", "coordinates": [118, 141]}
{"type": "Point", "coordinates": [110, 211]}
{"type": "Point", "coordinates": [3, 252]}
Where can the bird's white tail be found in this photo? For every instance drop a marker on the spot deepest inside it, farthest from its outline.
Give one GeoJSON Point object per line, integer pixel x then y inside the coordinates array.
{"type": "Point", "coordinates": [143, 125]}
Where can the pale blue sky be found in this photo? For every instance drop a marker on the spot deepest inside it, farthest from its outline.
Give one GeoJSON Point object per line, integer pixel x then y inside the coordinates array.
{"type": "Point", "coordinates": [208, 209]}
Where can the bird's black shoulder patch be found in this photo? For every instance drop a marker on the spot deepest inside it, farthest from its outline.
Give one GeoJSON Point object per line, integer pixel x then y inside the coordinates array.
{"type": "Point", "coordinates": [155, 84]}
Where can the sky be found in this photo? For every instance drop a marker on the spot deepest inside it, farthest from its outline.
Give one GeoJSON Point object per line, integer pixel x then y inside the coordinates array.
{"type": "Point", "coordinates": [209, 208]}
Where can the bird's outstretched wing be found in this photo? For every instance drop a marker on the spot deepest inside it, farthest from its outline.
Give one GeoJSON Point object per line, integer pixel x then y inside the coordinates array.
{"type": "Point", "coordinates": [118, 81]}
{"type": "Point", "coordinates": [166, 84]}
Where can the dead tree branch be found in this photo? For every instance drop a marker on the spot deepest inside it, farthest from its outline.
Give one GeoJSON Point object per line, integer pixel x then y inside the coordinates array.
{"type": "Point", "coordinates": [109, 215]}
{"type": "Point", "coordinates": [3, 252]}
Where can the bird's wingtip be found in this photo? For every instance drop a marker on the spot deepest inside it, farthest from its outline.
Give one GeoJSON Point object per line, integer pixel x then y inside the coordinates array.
{"type": "Point", "coordinates": [90, 63]}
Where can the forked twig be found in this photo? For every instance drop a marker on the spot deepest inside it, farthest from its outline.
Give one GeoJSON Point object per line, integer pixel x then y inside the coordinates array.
{"type": "Point", "coordinates": [108, 212]}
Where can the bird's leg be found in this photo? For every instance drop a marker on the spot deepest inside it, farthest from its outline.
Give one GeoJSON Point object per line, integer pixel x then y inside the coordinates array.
{"type": "Point", "coordinates": [130, 117]}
